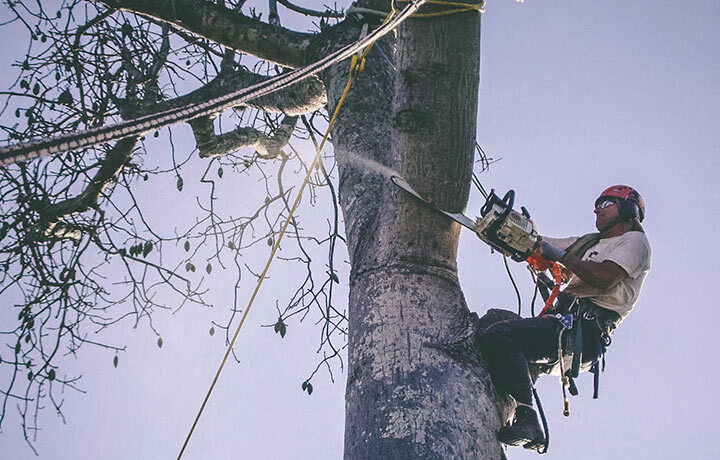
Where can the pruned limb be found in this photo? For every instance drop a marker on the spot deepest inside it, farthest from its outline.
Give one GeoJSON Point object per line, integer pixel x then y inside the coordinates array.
{"type": "Point", "coordinates": [267, 146]}
{"type": "Point", "coordinates": [225, 27]}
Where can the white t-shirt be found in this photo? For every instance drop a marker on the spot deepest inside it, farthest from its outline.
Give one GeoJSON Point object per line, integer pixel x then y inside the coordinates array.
{"type": "Point", "coordinates": [631, 251]}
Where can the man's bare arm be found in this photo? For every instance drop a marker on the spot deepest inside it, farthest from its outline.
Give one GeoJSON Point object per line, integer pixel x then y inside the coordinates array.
{"type": "Point", "coordinates": [604, 275]}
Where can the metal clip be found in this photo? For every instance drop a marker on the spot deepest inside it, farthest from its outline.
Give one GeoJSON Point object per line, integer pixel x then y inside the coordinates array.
{"type": "Point", "coordinates": [566, 321]}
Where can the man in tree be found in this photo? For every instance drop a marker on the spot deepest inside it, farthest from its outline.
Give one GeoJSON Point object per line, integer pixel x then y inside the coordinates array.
{"type": "Point", "coordinates": [607, 270]}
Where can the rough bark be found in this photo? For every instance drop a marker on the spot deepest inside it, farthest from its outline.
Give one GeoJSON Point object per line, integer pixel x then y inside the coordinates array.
{"type": "Point", "coordinates": [410, 394]}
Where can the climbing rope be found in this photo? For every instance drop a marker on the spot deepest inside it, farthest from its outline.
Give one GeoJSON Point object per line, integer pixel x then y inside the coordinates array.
{"type": "Point", "coordinates": [514, 285]}
{"type": "Point", "coordinates": [546, 443]}
{"type": "Point", "coordinates": [479, 186]}
{"type": "Point", "coordinates": [38, 147]}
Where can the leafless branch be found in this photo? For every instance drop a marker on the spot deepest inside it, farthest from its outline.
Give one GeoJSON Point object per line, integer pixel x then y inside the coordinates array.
{"type": "Point", "coordinates": [225, 27]}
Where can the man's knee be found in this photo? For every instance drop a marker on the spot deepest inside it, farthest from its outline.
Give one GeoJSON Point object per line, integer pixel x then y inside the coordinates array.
{"type": "Point", "coordinates": [497, 340]}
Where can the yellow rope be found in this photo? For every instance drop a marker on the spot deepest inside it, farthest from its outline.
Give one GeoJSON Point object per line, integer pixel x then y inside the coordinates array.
{"type": "Point", "coordinates": [357, 65]}
{"type": "Point", "coordinates": [461, 8]}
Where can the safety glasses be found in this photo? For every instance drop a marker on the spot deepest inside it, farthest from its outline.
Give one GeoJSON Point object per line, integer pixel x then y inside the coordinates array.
{"type": "Point", "coordinates": [604, 204]}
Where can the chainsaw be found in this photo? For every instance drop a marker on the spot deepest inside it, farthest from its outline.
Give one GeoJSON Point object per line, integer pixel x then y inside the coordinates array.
{"type": "Point", "coordinates": [507, 231]}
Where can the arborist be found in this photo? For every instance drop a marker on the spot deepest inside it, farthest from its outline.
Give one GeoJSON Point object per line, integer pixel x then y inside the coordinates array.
{"type": "Point", "coordinates": [605, 272]}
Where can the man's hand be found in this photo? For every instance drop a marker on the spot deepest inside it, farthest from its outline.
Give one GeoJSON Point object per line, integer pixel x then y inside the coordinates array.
{"type": "Point", "coordinates": [550, 251]}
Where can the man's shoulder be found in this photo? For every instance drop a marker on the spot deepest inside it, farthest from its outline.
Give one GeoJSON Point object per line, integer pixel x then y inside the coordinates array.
{"type": "Point", "coordinates": [630, 250]}
{"type": "Point", "coordinates": [636, 237]}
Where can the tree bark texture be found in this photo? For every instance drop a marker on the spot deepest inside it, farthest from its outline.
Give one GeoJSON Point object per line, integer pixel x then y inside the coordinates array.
{"type": "Point", "coordinates": [408, 395]}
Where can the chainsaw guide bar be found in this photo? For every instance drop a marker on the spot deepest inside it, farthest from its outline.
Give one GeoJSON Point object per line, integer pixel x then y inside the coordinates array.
{"type": "Point", "coordinates": [510, 232]}
{"type": "Point", "coordinates": [458, 217]}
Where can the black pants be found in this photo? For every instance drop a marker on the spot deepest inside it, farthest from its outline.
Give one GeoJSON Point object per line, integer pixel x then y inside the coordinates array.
{"type": "Point", "coordinates": [508, 345]}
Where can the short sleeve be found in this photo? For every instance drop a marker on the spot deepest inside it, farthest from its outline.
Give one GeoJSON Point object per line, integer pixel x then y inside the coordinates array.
{"type": "Point", "coordinates": [632, 254]}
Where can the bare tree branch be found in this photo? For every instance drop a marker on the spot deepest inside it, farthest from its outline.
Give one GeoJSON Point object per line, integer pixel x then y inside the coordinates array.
{"type": "Point", "coordinates": [68, 219]}
{"type": "Point", "coordinates": [308, 12]}
{"type": "Point", "coordinates": [51, 216]}
{"type": "Point", "coordinates": [226, 27]}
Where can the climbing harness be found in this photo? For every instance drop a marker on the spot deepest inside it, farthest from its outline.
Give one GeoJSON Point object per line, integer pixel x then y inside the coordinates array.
{"type": "Point", "coordinates": [579, 320]}
{"type": "Point", "coordinates": [38, 147]}
{"type": "Point", "coordinates": [581, 324]}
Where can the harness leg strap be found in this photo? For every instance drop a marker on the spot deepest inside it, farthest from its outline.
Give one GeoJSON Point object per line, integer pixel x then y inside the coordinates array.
{"type": "Point", "coordinates": [595, 369]}
{"type": "Point", "coordinates": [572, 388]}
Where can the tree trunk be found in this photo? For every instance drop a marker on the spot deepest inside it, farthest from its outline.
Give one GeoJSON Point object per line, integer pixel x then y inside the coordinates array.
{"type": "Point", "coordinates": [415, 389]}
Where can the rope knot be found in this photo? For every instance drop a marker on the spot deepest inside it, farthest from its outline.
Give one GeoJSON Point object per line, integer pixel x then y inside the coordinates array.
{"type": "Point", "coordinates": [357, 63]}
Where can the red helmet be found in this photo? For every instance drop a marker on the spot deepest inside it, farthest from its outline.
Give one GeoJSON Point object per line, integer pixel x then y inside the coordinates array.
{"type": "Point", "coordinates": [632, 204]}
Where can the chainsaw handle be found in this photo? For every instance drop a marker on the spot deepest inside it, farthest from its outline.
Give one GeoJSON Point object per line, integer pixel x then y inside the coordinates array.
{"type": "Point", "coordinates": [507, 202]}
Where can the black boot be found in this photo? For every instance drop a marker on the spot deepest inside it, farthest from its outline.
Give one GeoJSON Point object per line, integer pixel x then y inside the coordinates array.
{"type": "Point", "coordinates": [525, 430]}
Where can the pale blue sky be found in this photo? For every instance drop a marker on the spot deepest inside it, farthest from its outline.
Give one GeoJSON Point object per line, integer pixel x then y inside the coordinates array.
{"type": "Point", "coordinates": [575, 95]}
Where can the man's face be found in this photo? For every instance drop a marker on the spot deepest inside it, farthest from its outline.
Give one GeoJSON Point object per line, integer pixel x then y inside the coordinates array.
{"type": "Point", "coordinates": [606, 214]}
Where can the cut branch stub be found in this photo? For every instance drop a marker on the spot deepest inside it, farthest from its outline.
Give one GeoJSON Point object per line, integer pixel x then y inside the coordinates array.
{"type": "Point", "coordinates": [214, 145]}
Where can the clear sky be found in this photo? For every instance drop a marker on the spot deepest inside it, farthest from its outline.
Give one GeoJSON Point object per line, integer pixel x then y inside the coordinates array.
{"type": "Point", "coordinates": [575, 95]}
